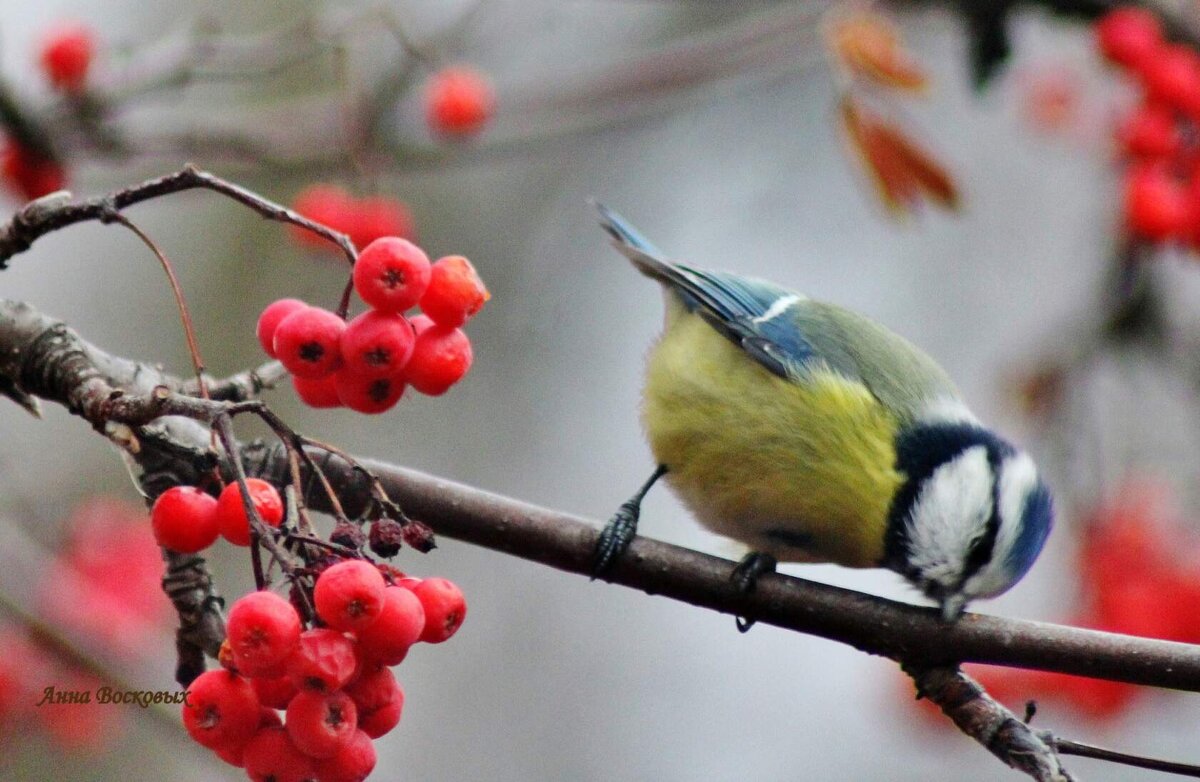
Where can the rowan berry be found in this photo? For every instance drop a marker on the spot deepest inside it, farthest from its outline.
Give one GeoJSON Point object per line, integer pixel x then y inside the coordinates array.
{"type": "Point", "coordinates": [231, 512]}
{"type": "Point", "coordinates": [66, 55]}
{"type": "Point", "coordinates": [1128, 35]}
{"type": "Point", "coordinates": [271, 756]}
{"type": "Point", "coordinates": [455, 292]}
{"type": "Point", "coordinates": [369, 395]}
{"type": "Point", "coordinates": [321, 723]}
{"type": "Point", "coordinates": [391, 274]}
{"type": "Point", "coordinates": [184, 519]}
{"type": "Point", "coordinates": [29, 174]}
{"type": "Point", "coordinates": [398, 626]}
{"type": "Point", "coordinates": [459, 101]}
{"type": "Point", "coordinates": [380, 701]}
{"type": "Point", "coordinates": [263, 630]}
{"type": "Point", "coordinates": [323, 661]}
{"type": "Point", "coordinates": [375, 217]}
{"type": "Point", "coordinates": [269, 320]}
{"type": "Point", "coordinates": [320, 392]}
{"type": "Point", "coordinates": [1156, 208]}
{"type": "Point", "coordinates": [1150, 131]}
{"type": "Point", "coordinates": [307, 342]}
{"type": "Point", "coordinates": [352, 763]}
{"type": "Point", "coordinates": [221, 709]}
{"type": "Point", "coordinates": [377, 344]}
{"type": "Point", "coordinates": [274, 692]}
{"type": "Point", "coordinates": [327, 204]}
{"type": "Point", "coordinates": [445, 608]}
{"type": "Point", "coordinates": [441, 357]}
{"type": "Point", "coordinates": [1172, 76]}
{"type": "Point", "coordinates": [349, 595]}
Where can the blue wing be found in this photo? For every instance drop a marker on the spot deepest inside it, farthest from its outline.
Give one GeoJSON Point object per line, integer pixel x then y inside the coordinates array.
{"type": "Point", "coordinates": [752, 313]}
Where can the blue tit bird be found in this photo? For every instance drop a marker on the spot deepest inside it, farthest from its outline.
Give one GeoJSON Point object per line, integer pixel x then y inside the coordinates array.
{"type": "Point", "coordinates": [810, 433]}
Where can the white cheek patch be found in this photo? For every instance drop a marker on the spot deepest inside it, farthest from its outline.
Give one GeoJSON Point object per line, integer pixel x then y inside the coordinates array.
{"type": "Point", "coordinates": [1018, 478]}
{"type": "Point", "coordinates": [950, 513]}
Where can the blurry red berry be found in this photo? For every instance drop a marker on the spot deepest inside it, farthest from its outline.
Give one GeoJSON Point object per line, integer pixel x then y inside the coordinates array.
{"type": "Point", "coordinates": [271, 756]}
{"type": "Point", "coordinates": [377, 344]}
{"type": "Point", "coordinates": [391, 274]}
{"type": "Point", "coordinates": [324, 660]}
{"type": "Point", "coordinates": [274, 692]}
{"type": "Point", "coordinates": [399, 626]}
{"type": "Point", "coordinates": [184, 519]}
{"type": "Point", "coordinates": [1172, 76]}
{"type": "Point", "coordinates": [231, 513]}
{"type": "Point", "coordinates": [321, 723]}
{"type": "Point", "coordinates": [28, 174]}
{"type": "Point", "coordinates": [263, 630]}
{"type": "Point", "coordinates": [445, 608]}
{"type": "Point", "coordinates": [380, 701]}
{"type": "Point", "coordinates": [374, 217]}
{"type": "Point", "coordinates": [368, 395]}
{"type": "Point", "coordinates": [269, 320]}
{"type": "Point", "coordinates": [1137, 606]}
{"type": "Point", "coordinates": [441, 357]}
{"type": "Point", "coordinates": [354, 762]}
{"type": "Point", "coordinates": [326, 204]}
{"type": "Point", "coordinates": [349, 595]}
{"type": "Point", "coordinates": [66, 55]}
{"type": "Point", "coordinates": [318, 392]}
{"type": "Point", "coordinates": [1128, 35]}
{"type": "Point", "coordinates": [221, 709]}
{"type": "Point", "coordinates": [459, 101]}
{"type": "Point", "coordinates": [1150, 131]}
{"type": "Point", "coordinates": [307, 342]}
{"type": "Point", "coordinates": [1156, 207]}
{"type": "Point", "coordinates": [455, 292]}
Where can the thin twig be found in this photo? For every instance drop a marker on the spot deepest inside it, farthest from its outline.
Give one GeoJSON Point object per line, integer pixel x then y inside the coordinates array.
{"type": "Point", "coordinates": [44, 215]}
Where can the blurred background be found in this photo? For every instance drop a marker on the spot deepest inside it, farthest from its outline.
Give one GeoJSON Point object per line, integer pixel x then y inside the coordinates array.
{"type": "Point", "coordinates": [720, 131]}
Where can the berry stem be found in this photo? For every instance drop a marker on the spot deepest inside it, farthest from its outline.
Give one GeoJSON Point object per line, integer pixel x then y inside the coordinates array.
{"type": "Point", "coordinates": [189, 330]}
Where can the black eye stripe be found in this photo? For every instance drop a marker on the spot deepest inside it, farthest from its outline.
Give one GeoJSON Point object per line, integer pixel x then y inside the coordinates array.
{"type": "Point", "coordinates": [983, 549]}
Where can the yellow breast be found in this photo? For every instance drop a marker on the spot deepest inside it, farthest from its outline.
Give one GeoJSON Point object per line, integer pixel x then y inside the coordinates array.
{"type": "Point", "coordinates": [769, 462]}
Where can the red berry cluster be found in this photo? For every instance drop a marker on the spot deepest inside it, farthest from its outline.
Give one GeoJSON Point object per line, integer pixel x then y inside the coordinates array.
{"type": "Point", "coordinates": [362, 219]}
{"type": "Point", "coordinates": [366, 364]}
{"type": "Point", "coordinates": [187, 520]}
{"type": "Point", "coordinates": [459, 101]}
{"type": "Point", "coordinates": [66, 55]}
{"type": "Point", "coordinates": [333, 681]}
{"type": "Point", "coordinates": [1158, 137]}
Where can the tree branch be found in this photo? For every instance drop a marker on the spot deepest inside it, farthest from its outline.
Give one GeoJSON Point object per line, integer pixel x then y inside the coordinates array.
{"type": "Point", "coordinates": [165, 431]}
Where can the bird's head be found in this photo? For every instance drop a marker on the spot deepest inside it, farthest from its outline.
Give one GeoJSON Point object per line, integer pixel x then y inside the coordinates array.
{"type": "Point", "coordinates": [971, 517]}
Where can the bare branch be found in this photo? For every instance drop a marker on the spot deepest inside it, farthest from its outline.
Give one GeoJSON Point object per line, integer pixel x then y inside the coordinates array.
{"type": "Point", "coordinates": [982, 718]}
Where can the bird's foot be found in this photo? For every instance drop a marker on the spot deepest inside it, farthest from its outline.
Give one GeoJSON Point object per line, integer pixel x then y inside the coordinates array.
{"type": "Point", "coordinates": [616, 536]}
{"type": "Point", "coordinates": [745, 579]}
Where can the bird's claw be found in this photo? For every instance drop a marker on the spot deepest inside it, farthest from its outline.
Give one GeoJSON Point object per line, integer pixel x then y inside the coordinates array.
{"type": "Point", "coordinates": [745, 578]}
{"type": "Point", "coordinates": [616, 536]}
